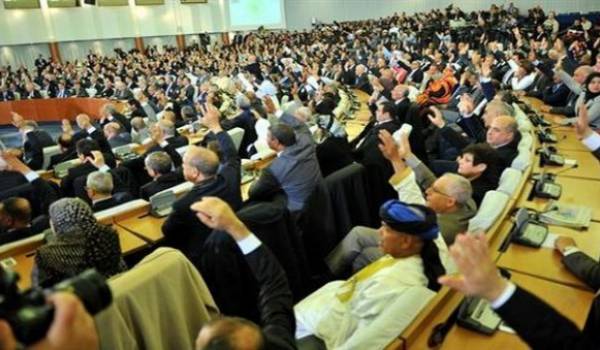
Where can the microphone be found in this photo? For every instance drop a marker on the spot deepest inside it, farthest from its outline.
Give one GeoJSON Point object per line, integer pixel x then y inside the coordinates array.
{"type": "Point", "coordinates": [565, 170]}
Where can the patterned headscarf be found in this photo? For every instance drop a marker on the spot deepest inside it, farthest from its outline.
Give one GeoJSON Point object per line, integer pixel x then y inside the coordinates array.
{"type": "Point", "coordinates": [71, 215]}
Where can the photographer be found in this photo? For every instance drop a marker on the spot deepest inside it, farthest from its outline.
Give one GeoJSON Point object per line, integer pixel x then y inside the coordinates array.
{"type": "Point", "coordinates": [72, 327]}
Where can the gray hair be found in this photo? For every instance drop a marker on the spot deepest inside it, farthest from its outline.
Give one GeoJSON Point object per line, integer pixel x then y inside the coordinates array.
{"type": "Point", "coordinates": [242, 101]}
{"type": "Point", "coordinates": [159, 162]}
{"type": "Point", "coordinates": [100, 182]}
{"type": "Point", "coordinates": [459, 188]}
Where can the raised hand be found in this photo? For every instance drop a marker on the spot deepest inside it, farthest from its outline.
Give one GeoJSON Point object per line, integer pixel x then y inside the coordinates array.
{"type": "Point", "coordinates": [436, 119]}
{"type": "Point", "coordinates": [218, 215]}
{"type": "Point", "coordinates": [478, 273]}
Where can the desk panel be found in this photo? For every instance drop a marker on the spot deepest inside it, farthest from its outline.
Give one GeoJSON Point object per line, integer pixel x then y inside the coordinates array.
{"type": "Point", "coordinates": [547, 263]}
{"type": "Point", "coordinates": [574, 191]}
{"type": "Point", "coordinates": [146, 227]}
{"type": "Point", "coordinates": [53, 109]}
{"type": "Point", "coordinates": [588, 166]}
{"type": "Point", "coordinates": [571, 302]}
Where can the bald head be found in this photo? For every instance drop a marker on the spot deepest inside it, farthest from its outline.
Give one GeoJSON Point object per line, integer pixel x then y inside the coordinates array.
{"type": "Point", "coordinates": [494, 109]}
{"type": "Point", "coordinates": [83, 121]}
{"type": "Point", "coordinates": [15, 212]}
{"type": "Point", "coordinates": [502, 131]}
{"type": "Point", "coordinates": [230, 333]}
{"type": "Point", "coordinates": [199, 163]}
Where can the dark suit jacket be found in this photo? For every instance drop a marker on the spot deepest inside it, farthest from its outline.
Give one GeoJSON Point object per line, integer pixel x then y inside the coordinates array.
{"type": "Point", "coordinates": [97, 135]}
{"type": "Point", "coordinates": [182, 229]}
{"type": "Point", "coordinates": [246, 121]}
{"type": "Point", "coordinates": [10, 179]}
{"type": "Point", "coordinates": [367, 152]}
{"type": "Point", "coordinates": [67, 184]}
{"type": "Point", "coordinates": [584, 267]}
{"type": "Point", "coordinates": [7, 96]}
{"type": "Point", "coordinates": [401, 110]}
{"type": "Point", "coordinates": [556, 97]}
{"type": "Point", "coordinates": [104, 204]}
{"type": "Point", "coordinates": [107, 92]}
{"type": "Point", "coordinates": [15, 235]}
{"type": "Point", "coordinates": [121, 139]}
{"type": "Point", "coordinates": [33, 148]}
{"type": "Point", "coordinates": [362, 83]}
{"type": "Point", "coordinates": [160, 184]}
{"type": "Point", "coordinates": [274, 299]}
{"type": "Point", "coordinates": [542, 327]}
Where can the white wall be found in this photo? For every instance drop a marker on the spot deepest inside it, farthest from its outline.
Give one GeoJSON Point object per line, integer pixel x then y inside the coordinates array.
{"type": "Point", "coordinates": [97, 23]}
{"type": "Point", "coordinates": [300, 12]}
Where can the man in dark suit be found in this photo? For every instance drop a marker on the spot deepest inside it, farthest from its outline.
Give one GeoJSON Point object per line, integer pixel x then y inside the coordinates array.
{"type": "Point", "coordinates": [31, 92]}
{"type": "Point", "coordinates": [34, 142]}
{"type": "Point", "coordinates": [365, 145]}
{"type": "Point", "coordinates": [275, 303]}
{"type": "Point", "coordinates": [537, 323]}
{"type": "Point", "coordinates": [107, 91]}
{"type": "Point", "coordinates": [401, 102]}
{"type": "Point", "coordinates": [15, 219]}
{"type": "Point", "coordinates": [556, 94]}
{"type": "Point", "coordinates": [108, 114]}
{"type": "Point", "coordinates": [84, 154]}
{"type": "Point", "coordinates": [62, 91]}
{"type": "Point", "coordinates": [99, 188]}
{"type": "Point", "coordinates": [115, 135]}
{"type": "Point", "coordinates": [160, 168]}
{"type": "Point", "coordinates": [78, 90]}
{"type": "Point", "coordinates": [5, 94]}
{"type": "Point", "coordinates": [362, 79]}
{"type": "Point", "coordinates": [186, 96]}
{"type": "Point", "coordinates": [296, 169]}
{"type": "Point", "coordinates": [201, 166]}
{"type": "Point", "coordinates": [88, 130]}
{"type": "Point", "coordinates": [122, 92]}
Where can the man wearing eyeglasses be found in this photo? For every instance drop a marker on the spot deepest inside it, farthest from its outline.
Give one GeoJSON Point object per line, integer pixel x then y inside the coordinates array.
{"type": "Point", "coordinates": [448, 196]}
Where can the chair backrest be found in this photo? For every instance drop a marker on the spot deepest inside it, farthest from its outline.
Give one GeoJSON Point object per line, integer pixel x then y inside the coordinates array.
{"type": "Point", "coordinates": [237, 134]}
{"type": "Point", "coordinates": [180, 189]}
{"type": "Point", "coordinates": [125, 149]}
{"type": "Point", "coordinates": [163, 294]}
{"type": "Point", "coordinates": [526, 142]}
{"type": "Point", "coordinates": [62, 169]}
{"type": "Point", "coordinates": [522, 161]}
{"type": "Point", "coordinates": [121, 209]}
{"type": "Point", "coordinates": [509, 181]}
{"type": "Point", "coordinates": [491, 207]}
{"type": "Point", "coordinates": [48, 153]}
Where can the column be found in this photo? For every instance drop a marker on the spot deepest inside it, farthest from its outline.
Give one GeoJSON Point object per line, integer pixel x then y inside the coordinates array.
{"type": "Point", "coordinates": [54, 52]}
{"type": "Point", "coordinates": [225, 38]}
{"type": "Point", "coordinates": [139, 44]}
{"type": "Point", "coordinates": [180, 41]}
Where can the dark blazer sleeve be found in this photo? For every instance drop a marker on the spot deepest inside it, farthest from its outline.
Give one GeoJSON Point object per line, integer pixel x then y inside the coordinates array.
{"type": "Point", "coordinates": [488, 89]}
{"type": "Point", "coordinates": [266, 185]}
{"type": "Point", "coordinates": [275, 301]}
{"type": "Point", "coordinates": [542, 327]}
{"type": "Point", "coordinates": [456, 139]}
{"type": "Point", "coordinates": [474, 128]}
{"type": "Point", "coordinates": [230, 160]}
{"type": "Point", "coordinates": [585, 268]}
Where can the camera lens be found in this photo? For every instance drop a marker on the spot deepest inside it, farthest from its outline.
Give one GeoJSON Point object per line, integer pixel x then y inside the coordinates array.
{"type": "Point", "coordinates": [91, 288]}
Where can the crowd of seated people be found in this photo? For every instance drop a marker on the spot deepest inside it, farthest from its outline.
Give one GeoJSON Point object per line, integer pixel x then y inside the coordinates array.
{"type": "Point", "coordinates": [289, 93]}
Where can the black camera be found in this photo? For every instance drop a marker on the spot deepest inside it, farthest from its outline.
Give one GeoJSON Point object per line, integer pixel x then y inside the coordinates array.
{"type": "Point", "coordinates": [28, 313]}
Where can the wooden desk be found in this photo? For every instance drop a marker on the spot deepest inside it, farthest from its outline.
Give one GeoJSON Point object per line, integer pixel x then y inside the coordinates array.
{"type": "Point", "coordinates": [574, 191]}
{"type": "Point", "coordinates": [567, 140]}
{"type": "Point", "coordinates": [588, 166]}
{"type": "Point", "coordinates": [546, 263]}
{"type": "Point", "coordinates": [130, 243]}
{"type": "Point", "coordinates": [53, 109]}
{"type": "Point", "coordinates": [146, 227]}
{"type": "Point", "coordinates": [572, 302]}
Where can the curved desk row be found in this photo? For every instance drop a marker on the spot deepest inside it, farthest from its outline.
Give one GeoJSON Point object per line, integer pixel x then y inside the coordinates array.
{"type": "Point", "coordinates": [53, 109]}
{"type": "Point", "coordinates": [539, 270]}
